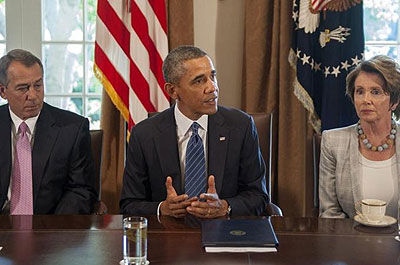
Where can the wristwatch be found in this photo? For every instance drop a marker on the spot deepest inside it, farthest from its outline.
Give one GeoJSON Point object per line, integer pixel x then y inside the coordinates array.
{"type": "Point", "coordinates": [229, 210]}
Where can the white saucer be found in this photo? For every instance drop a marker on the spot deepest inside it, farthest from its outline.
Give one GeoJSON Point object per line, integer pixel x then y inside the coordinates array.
{"type": "Point", "coordinates": [386, 221]}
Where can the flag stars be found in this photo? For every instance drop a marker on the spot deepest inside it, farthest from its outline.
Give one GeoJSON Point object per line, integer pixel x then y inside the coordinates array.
{"type": "Point", "coordinates": [355, 60]}
{"type": "Point", "coordinates": [304, 59]}
{"type": "Point", "coordinates": [336, 71]}
{"type": "Point", "coordinates": [295, 15]}
{"type": "Point", "coordinates": [345, 65]}
{"type": "Point", "coordinates": [298, 53]}
{"type": "Point", "coordinates": [317, 66]}
{"type": "Point", "coordinates": [327, 72]}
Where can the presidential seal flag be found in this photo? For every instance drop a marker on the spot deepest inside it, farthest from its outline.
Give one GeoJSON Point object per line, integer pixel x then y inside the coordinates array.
{"type": "Point", "coordinates": [328, 41]}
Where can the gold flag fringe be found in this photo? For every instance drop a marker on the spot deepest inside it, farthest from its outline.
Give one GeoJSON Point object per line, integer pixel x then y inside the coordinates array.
{"type": "Point", "coordinates": [119, 104]}
{"type": "Point", "coordinates": [303, 96]}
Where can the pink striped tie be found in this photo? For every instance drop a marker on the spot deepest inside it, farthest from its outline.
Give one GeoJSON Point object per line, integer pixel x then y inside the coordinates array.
{"type": "Point", "coordinates": [21, 190]}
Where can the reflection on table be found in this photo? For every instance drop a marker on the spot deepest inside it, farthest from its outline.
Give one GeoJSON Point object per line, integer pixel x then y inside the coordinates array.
{"type": "Point", "coordinates": [95, 239]}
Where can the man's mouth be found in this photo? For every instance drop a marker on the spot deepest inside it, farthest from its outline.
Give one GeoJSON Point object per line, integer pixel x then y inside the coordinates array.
{"type": "Point", "coordinates": [211, 100]}
{"type": "Point", "coordinates": [32, 107]}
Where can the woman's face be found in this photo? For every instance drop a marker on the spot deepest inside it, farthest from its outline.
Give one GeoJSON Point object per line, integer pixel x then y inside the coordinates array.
{"type": "Point", "coordinates": [372, 103]}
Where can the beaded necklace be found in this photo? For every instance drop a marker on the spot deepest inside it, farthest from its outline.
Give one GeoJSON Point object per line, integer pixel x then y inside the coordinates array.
{"type": "Point", "coordinates": [389, 139]}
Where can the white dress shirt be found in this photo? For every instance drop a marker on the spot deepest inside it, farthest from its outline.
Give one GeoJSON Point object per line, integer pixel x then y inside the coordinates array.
{"type": "Point", "coordinates": [184, 133]}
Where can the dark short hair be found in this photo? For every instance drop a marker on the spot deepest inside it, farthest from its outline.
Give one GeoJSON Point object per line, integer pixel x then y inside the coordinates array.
{"type": "Point", "coordinates": [16, 55]}
{"type": "Point", "coordinates": [387, 69]}
{"type": "Point", "coordinates": [173, 68]}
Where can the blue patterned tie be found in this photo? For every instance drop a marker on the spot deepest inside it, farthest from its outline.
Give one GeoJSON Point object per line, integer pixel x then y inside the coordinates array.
{"type": "Point", "coordinates": [195, 166]}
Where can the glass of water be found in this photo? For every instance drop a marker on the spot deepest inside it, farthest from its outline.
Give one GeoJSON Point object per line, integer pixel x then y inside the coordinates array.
{"type": "Point", "coordinates": [135, 241]}
{"type": "Point", "coordinates": [398, 222]}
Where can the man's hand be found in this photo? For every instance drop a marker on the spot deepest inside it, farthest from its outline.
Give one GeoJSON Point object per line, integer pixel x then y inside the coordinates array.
{"type": "Point", "coordinates": [174, 205]}
{"type": "Point", "coordinates": [212, 207]}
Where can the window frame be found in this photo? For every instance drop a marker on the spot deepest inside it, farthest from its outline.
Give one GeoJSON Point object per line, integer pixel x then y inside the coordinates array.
{"type": "Point", "coordinates": [24, 30]}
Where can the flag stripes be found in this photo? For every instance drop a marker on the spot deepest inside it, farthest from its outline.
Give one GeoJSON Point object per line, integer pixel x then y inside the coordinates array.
{"type": "Point", "coordinates": [131, 43]}
{"type": "Point", "coordinates": [319, 4]}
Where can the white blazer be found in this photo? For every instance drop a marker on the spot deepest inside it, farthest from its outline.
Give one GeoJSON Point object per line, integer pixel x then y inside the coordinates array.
{"type": "Point", "coordinates": [340, 172]}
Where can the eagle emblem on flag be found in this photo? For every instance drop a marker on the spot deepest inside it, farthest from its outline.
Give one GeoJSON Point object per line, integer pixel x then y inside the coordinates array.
{"type": "Point", "coordinates": [309, 11]}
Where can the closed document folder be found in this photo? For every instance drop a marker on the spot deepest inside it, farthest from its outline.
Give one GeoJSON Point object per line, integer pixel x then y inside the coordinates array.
{"type": "Point", "coordinates": [238, 235]}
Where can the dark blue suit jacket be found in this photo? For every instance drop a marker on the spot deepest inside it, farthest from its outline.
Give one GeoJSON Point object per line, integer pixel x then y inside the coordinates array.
{"type": "Point", "coordinates": [235, 161]}
{"type": "Point", "coordinates": [62, 164]}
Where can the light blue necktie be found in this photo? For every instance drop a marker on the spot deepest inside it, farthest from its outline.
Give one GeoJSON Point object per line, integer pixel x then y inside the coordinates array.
{"type": "Point", "coordinates": [195, 166]}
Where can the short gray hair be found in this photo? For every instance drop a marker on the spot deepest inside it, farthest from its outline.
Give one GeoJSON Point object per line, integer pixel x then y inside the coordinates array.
{"type": "Point", "coordinates": [387, 69]}
{"type": "Point", "coordinates": [173, 68]}
{"type": "Point", "coordinates": [16, 55]}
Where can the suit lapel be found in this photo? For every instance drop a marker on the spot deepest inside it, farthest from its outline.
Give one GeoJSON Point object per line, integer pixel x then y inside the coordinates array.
{"type": "Point", "coordinates": [5, 157]}
{"type": "Point", "coordinates": [355, 167]}
{"type": "Point", "coordinates": [45, 137]}
{"type": "Point", "coordinates": [167, 149]}
{"type": "Point", "coordinates": [218, 138]}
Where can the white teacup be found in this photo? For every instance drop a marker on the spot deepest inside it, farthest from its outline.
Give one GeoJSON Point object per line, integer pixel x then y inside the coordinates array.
{"type": "Point", "coordinates": [372, 210]}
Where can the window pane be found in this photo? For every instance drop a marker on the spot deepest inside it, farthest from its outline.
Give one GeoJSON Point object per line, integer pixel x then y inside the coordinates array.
{"type": "Point", "coordinates": [62, 20]}
{"type": "Point", "coordinates": [93, 84]}
{"type": "Point", "coordinates": [63, 64]}
{"type": "Point", "coordinates": [372, 50]}
{"type": "Point", "coordinates": [93, 112]}
{"type": "Point", "coordinates": [2, 49]}
{"type": "Point", "coordinates": [73, 104]}
{"type": "Point", "coordinates": [91, 6]}
{"type": "Point", "coordinates": [2, 20]}
{"type": "Point", "coordinates": [380, 20]}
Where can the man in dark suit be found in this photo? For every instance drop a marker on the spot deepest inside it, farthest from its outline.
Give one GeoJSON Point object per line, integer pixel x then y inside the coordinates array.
{"type": "Point", "coordinates": [61, 179]}
{"type": "Point", "coordinates": [156, 176]}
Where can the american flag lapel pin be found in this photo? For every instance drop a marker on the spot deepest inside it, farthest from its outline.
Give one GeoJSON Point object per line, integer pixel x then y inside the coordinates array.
{"type": "Point", "coordinates": [222, 138]}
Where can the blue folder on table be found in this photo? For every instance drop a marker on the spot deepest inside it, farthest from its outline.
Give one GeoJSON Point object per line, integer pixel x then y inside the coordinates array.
{"type": "Point", "coordinates": [239, 235]}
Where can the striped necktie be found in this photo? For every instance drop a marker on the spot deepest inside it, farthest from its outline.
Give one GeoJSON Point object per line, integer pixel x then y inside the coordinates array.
{"type": "Point", "coordinates": [21, 189]}
{"type": "Point", "coordinates": [195, 166]}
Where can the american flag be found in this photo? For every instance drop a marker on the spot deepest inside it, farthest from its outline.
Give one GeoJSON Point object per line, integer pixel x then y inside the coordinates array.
{"type": "Point", "coordinates": [131, 43]}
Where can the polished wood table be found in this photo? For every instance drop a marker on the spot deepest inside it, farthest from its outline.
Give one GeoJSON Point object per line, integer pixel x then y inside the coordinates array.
{"type": "Point", "coordinates": [98, 240]}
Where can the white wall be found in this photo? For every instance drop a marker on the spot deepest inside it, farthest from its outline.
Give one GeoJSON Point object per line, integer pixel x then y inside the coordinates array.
{"type": "Point", "coordinates": [219, 29]}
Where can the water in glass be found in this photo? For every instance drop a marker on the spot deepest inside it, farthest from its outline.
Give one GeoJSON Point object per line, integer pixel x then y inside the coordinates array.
{"type": "Point", "coordinates": [135, 240]}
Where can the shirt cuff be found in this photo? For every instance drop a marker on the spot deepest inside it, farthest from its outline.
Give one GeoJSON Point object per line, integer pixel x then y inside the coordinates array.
{"type": "Point", "coordinates": [158, 212]}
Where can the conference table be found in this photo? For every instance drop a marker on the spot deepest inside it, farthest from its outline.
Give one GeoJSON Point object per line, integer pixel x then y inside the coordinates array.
{"type": "Point", "coordinates": [95, 239]}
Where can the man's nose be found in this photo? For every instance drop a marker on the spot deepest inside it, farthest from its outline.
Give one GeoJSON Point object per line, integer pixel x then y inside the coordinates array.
{"type": "Point", "coordinates": [31, 93]}
{"type": "Point", "coordinates": [212, 85]}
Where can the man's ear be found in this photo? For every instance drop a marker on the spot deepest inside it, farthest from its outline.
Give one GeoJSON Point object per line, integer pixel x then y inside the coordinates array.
{"type": "Point", "coordinates": [171, 90]}
{"type": "Point", "coordinates": [2, 92]}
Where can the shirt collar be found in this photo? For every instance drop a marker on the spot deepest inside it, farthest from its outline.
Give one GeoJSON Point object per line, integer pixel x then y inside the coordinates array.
{"type": "Point", "coordinates": [31, 122]}
{"type": "Point", "coordinates": [183, 123]}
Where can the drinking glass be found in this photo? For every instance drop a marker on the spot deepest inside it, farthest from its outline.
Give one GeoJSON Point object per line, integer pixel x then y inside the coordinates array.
{"type": "Point", "coordinates": [135, 241]}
